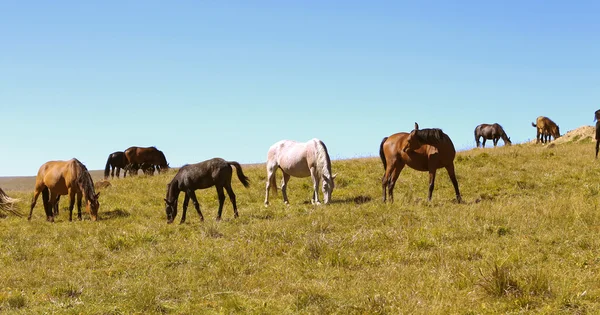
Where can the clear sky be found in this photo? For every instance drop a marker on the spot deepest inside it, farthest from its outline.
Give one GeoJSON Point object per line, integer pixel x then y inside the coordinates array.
{"type": "Point", "coordinates": [200, 79]}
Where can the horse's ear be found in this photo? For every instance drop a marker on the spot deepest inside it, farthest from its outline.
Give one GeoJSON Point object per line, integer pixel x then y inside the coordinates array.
{"type": "Point", "coordinates": [96, 195]}
{"type": "Point", "coordinates": [416, 126]}
{"type": "Point", "coordinates": [167, 201]}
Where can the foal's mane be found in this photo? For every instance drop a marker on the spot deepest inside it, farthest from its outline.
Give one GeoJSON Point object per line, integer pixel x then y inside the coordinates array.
{"type": "Point", "coordinates": [84, 180]}
{"type": "Point", "coordinates": [431, 135]}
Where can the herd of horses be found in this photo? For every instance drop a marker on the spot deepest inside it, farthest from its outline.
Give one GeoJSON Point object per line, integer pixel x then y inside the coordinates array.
{"type": "Point", "coordinates": [425, 150]}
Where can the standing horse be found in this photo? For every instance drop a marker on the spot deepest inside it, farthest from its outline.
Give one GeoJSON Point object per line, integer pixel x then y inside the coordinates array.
{"type": "Point", "coordinates": [116, 160]}
{"type": "Point", "coordinates": [6, 203]}
{"type": "Point", "coordinates": [545, 128]}
{"type": "Point", "coordinates": [423, 150]}
{"type": "Point", "coordinates": [300, 160]}
{"type": "Point", "coordinates": [151, 155]}
{"type": "Point", "coordinates": [214, 172]}
{"type": "Point", "coordinates": [493, 132]}
{"type": "Point", "coordinates": [56, 178]}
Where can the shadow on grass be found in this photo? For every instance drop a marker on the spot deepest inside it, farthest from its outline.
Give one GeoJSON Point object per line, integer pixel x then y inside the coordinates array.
{"type": "Point", "coordinates": [117, 213]}
{"type": "Point", "coordinates": [360, 199]}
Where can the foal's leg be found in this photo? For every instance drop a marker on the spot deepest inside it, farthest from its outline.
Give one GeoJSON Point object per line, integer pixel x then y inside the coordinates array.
{"type": "Point", "coordinates": [221, 195]}
{"type": "Point", "coordinates": [186, 201]}
{"type": "Point", "coordinates": [232, 199]}
{"type": "Point", "coordinates": [315, 197]}
{"type": "Point", "coordinates": [192, 195]}
{"type": "Point", "coordinates": [284, 181]}
{"type": "Point", "coordinates": [452, 175]}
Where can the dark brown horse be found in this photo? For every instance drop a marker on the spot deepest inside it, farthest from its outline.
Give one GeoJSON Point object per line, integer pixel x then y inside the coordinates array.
{"type": "Point", "coordinates": [6, 204]}
{"type": "Point", "coordinates": [423, 150]}
{"type": "Point", "coordinates": [118, 161]}
{"type": "Point", "coordinates": [491, 132]}
{"type": "Point", "coordinates": [151, 156]}
{"type": "Point", "coordinates": [56, 178]}
{"type": "Point", "coordinates": [214, 172]}
{"type": "Point", "coordinates": [545, 128]}
{"type": "Point", "coordinates": [597, 119]}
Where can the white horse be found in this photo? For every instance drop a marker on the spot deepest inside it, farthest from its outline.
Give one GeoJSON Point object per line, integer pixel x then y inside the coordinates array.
{"type": "Point", "coordinates": [300, 160]}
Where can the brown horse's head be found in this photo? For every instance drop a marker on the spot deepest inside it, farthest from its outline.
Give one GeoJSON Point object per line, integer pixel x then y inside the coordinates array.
{"type": "Point", "coordinates": [555, 132]}
{"type": "Point", "coordinates": [412, 141]}
{"type": "Point", "coordinates": [92, 206]}
{"type": "Point", "coordinates": [171, 210]}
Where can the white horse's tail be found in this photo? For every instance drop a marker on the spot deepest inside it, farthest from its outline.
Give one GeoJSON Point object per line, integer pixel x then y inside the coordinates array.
{"type": "Point", "coordinates": [6, 203]}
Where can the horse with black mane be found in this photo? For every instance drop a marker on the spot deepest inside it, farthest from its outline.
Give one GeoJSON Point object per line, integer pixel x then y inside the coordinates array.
{"type": "Point", "coordinates": [597, 119]}
{"type": "Point", "coordinates": [190, 177]}
{"type": "Point", "coordinates": [491, 132]}
{"type": "Point", "coordinates": [56, 178]}
{"type": "Point", "coordinates": [150, 156]}
{"type": "Point", "coordinates": [424, 150]}
{"type": "Point", "coordinates": [118, 161]}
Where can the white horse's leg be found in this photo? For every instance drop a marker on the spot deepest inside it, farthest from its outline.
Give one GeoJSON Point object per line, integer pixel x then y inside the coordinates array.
{"type": "Point", "coordinates": [271, 169]}
{"type": "Point", "coordinates": [284, 181]}
{"type": "Point", "coordinates": [315, 197]}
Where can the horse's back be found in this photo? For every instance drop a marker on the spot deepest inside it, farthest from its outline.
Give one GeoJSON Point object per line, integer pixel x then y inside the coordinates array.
{"type": "Point", "coordinates": [291, 157]}
{"type": "Point", "coordinates": [203, 174]}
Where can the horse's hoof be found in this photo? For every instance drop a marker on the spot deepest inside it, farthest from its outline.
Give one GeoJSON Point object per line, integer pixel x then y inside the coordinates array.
{"type": "Point", "coordinates": [28, 218]}
{"type": "Point", "coordinates": [182, 222]}
{"type": "Point", "coordinates": [169, 221]}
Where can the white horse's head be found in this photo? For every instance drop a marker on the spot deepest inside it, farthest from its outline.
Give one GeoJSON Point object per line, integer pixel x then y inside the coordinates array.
{"type": "Point", "coordinates": [328, 186]}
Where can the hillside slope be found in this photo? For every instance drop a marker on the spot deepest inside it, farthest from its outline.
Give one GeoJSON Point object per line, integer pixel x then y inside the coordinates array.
{"type": "Point", "coordinates": [525, 240]}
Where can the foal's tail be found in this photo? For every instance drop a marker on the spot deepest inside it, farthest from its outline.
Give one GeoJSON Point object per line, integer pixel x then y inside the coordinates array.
{"type": "Point", "coordinates": [238, 169]}
{"type": "Point", "coordinates": [382, 154]}
{"type": "Point", "coordinates": [107, 168]}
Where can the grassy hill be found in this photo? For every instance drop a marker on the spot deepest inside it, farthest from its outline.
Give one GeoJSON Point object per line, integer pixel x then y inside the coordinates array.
{"type": "Point", "coordinates": [525, 240]}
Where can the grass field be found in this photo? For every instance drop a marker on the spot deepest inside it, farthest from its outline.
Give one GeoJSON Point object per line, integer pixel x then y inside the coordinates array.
{"type": "Point", "coordinates": [525, 241]}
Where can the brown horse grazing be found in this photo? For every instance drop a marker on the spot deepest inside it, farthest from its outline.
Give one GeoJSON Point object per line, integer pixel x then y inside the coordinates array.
{"type": "Point", "coordinates": [56, 178]}
{"type": "Point", "coordinates": [190, 177]}
{"type": "Point", "coordinates": [597, 119]}
{"type": "Point", "coordinates": [423, 150]}
{"type": "Point", "coordinates": [116, 160]}
{"type": "Point", "coordinates": [151, 155]}
{"type": "Point", "coordinates": [6, 204]}
{"type": "Point", "coordinates": [545, 128]}
{"type": "Point", "coordinates": [493, 132]}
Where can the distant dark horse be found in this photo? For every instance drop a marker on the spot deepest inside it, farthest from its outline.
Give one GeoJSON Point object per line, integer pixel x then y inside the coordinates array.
{"type": "Point", "coordinates": [545, 128]}
{"type": "Point", "coordinates": [116, 160]}
{"type": "Point", "coordinates": [214, 172]}
{"type": "Point", "coordinates": [423, 150]}
{"type": "Point", "coordinates": [597, 119]}
{"type": "Point", "coordinates": [493, 132]}
{"type": "Point", "coordinates": [150, 156]}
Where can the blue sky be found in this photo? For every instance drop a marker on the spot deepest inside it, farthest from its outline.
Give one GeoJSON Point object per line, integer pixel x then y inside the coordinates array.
{"type": "Point", "coordinates": [200, 79]}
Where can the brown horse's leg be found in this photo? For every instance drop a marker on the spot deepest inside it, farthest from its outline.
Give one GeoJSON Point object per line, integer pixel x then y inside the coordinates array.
{"type": "Point", "coordinates": [483, 142]}
{"type": "Point", "coordinates": [72, 205]}
{"type": "Point", "coordinates": [50, 206]}
{"type": "Point", "coordinates": [496, 141]}
{"type": "Point", "coordinates": [452, 175]}
{"type": "Point", "coordinates": [431, 183]}
{"type": "Point", "coordinates": [186, 202]}
{"type": "Point", "coordinates": [285, 179]}
{"type": "Point", "coordinates": [232, 199]}
{"type": "Point", "coordinates": [597, 146]}
{"type": "Point", "coordinates": [36, 194]}
{"type": "Point", "coordinates": [56, 204]}
{"type": "Point", "coordinates": [386, 178]}
{"type": "Point", "coordinates": [397, 168]}
{"type": "Point", "coordinates": [79, 198]}
{"type": "Point", "coordinates": [221, 196]}
{"type": "Point", "coordinates": [192, 196]}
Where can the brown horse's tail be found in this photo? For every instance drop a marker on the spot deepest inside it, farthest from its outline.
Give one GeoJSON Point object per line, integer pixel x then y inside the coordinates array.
{"type": "Point", "coordinates": [107, 168]}
{"type": "Point", "coordinates": [238, 169]}
{"type": "Point", "coordinates": [382, 154]}
{"type": "Point", "coordinates": [534, 125]}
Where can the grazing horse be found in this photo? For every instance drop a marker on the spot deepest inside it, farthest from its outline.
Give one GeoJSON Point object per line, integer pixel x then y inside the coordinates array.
{"type": "Point", "coordinates": [116, 160]}
{"type": "Point", "coordinates": [424, 150]}
{"type": "Point", "coordinates": [190, 177]}
{"type": "Point", "coordinates": [545, 128]}
{"type": "Point", "coordinates": [597, 119]}
{"type": "Point", "coordinates": [56, 178]}
{"type": "Point", "coordinates": [6, 203]}
{"type": "Point", "coordinates": [493, 132]}
{"type": "Point", "coordinates": [300, 160]}
{"type": "Point", "coordinates": [151, 155]}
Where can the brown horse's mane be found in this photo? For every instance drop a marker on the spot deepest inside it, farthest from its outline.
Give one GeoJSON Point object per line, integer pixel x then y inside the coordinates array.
{"type": "Point", "coordinates": [431, 135]}
{"type": "Point", "coordinates": [84, 179]}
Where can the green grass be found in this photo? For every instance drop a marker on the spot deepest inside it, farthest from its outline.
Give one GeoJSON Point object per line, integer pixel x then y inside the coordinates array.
{"type": "Point", "coordinates": [525, 241]}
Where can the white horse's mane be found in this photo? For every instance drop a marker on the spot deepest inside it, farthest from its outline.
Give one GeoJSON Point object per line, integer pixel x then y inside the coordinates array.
{"type": "Point", "coordinates": [323, 160]}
